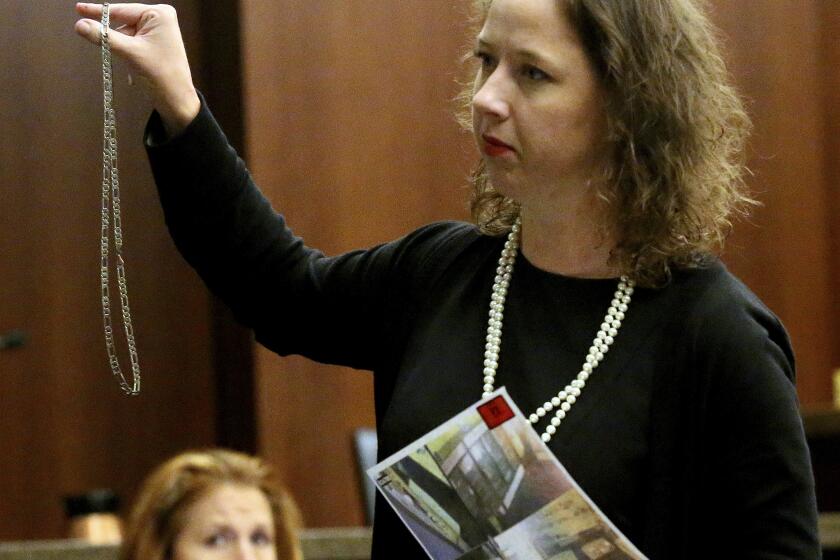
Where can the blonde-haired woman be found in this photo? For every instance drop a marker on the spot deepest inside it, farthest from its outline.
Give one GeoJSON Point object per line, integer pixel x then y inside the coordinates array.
{"type": "Point", "coordinates": [214, 504]}
{"type": "Point", "coordinates": [589, 286]}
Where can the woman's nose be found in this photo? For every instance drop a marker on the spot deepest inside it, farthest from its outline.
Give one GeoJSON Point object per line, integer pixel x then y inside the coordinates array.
{"type": "Point", "coordinates": [492, 97]}
{"type": "Point", "coordinates": [246, 551]}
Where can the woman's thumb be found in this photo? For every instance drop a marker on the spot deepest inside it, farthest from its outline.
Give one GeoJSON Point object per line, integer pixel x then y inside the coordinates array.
{"type": "Point", "coordinates": [92, 31]}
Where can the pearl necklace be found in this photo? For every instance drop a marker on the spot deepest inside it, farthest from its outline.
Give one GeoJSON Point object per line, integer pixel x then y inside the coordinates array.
{"type": "Point", "coordinates": [600, 345]}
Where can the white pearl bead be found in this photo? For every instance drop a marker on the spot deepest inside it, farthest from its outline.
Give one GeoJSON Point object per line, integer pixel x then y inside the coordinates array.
{"type": "Point", "coordinates": [540, 412]}
{"type": "Point", "coordinates": [565, 406]}
{"type": "Point", "coordinates": [562, 395]}
{"type": "Point", "coordinates": [583, 376]}
{"type": "Point", "coordinates": [587, 367]}
{"type": "Point", "coordinates": [547, 406]}
{"type": "Point", "coordinates": [533, 419]}
{"type": "Point", "coordinates": [488, 380]}
{"type": "Point", "coordinates": [561, 414]}
{"type": "Point", "coordinates": [489, 371]}
{"type": "Point", "coordinates": [551, 429]}
{"type": "Point", "coordinates": [556, 401]}
{"type": "Point", "coordinates": [573, 392]}
{"type": "Point", "coordinates": [488, 387]}
{"type": "Point", "coordinates": [546, 438]}
{"type": "Point", "coordinates": [571, 400]}
{"type": "Point", "coordinates": [555, 421]}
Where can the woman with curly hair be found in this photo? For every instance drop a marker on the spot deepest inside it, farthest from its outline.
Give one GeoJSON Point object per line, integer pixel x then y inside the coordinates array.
{"type": "Point", "coordinates": [611, 165]}
{"type": "Point", "coordinates": [213, 504]}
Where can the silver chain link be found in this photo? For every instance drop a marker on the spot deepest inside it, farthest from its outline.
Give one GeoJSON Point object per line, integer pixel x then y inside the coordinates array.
{"type": "Point", "coordinates": [111, 193]}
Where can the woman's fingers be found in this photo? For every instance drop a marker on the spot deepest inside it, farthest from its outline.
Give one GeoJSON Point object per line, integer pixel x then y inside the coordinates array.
{"type": "Point", "coordinates": [92, 31]}
{"type": "Point", "coordinates": [128, 14]}
{"type": "Point", "coordinates": [123, 11]}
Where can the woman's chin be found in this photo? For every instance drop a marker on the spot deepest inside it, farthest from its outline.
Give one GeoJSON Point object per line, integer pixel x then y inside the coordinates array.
{"type": "Point", "coordinates": [504, 186]}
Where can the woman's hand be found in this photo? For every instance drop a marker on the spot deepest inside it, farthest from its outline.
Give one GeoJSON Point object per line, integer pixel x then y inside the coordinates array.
{"type": "Point", "coordinates": [148, 38]}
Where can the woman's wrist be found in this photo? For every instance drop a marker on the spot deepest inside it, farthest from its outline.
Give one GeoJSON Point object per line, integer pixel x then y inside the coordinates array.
{"type": "Point", "coordinates": [177, 114]}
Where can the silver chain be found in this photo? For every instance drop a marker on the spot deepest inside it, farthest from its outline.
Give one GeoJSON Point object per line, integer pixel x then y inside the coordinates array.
{"type": "Point", "coordinates": [111, 191]}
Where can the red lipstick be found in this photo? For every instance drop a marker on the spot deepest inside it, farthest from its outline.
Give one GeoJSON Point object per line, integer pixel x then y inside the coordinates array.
{"type": "Point", "coordinates": [495, 147]}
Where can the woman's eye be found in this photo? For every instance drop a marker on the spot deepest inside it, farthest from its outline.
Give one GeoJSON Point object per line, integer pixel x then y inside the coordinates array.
{"type": "Point", "coordinates": [485, 59]}
{"type": "Point", "coordinates": [535, 74]}
{"type": "Point", "coordinates": [261, 538]}
{"type": "Point", "coordinates": [219, 539]}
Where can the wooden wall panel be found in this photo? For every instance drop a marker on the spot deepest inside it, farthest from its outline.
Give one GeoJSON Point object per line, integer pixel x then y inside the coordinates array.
{"type": "Point", "coordinates": [349, 132]}
{"type": "Point", "coordinates": [65, 426]}
{"type": "Point", "coordinates": [786, 252]}
{"type": "Point", "coordinates": [829, 49]}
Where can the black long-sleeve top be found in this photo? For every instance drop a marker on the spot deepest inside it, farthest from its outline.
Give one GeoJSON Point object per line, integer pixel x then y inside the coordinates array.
{"type": "Point", "coordinates": [687, 436]}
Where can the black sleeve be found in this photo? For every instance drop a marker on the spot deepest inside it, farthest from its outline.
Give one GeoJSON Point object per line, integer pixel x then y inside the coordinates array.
{"type": "Point", "coordinates": [338, 310]}
{"type": "Point", "coordinates": [755, 488]}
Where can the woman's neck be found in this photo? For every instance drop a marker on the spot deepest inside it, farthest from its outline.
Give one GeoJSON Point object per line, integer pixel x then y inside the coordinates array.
{"type": "Point", "coordinates": [568, 239]}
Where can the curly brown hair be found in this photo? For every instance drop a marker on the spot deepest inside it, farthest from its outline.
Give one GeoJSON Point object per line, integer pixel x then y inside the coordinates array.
{"type": "Point", "coordinates": [158, 515]}
{"type": "Point", "coordinates": [676, 128]}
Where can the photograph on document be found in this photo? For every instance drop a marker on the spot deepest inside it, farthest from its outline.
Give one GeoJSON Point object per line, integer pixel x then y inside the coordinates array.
{"type": "Point", "coordinates": [483, 485]}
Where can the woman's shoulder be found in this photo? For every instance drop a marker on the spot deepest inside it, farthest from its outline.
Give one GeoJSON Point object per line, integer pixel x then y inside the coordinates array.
{"type": "Point", "coordinates": [441, 235]}
{"type": "Point", "coordinates": [717, 310]}
{"type": "Point", "coordinates": [438, 244]}
{"type": "Point", "coordinates": [447, 249]}
{"type": "Point", "coordinates": [712, 292]}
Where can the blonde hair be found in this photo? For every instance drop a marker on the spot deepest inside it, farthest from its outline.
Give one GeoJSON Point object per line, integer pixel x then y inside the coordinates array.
{"type": "Point", "coordinates": [676, 128]}
{"type": "Point", "coordinates": [158, 515]}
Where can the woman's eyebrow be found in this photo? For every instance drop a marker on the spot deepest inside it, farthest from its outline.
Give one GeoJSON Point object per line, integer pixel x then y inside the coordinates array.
{"type": "Point", "coordinates": [524, 53]}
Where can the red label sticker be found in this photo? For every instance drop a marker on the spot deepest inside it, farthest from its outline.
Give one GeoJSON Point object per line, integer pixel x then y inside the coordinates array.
{"type": "Point", "coordinates": [495, 412]}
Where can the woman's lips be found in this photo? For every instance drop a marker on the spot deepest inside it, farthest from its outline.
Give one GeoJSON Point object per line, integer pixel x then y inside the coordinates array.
{"type": "Point", "coordinates": [494, 147]}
